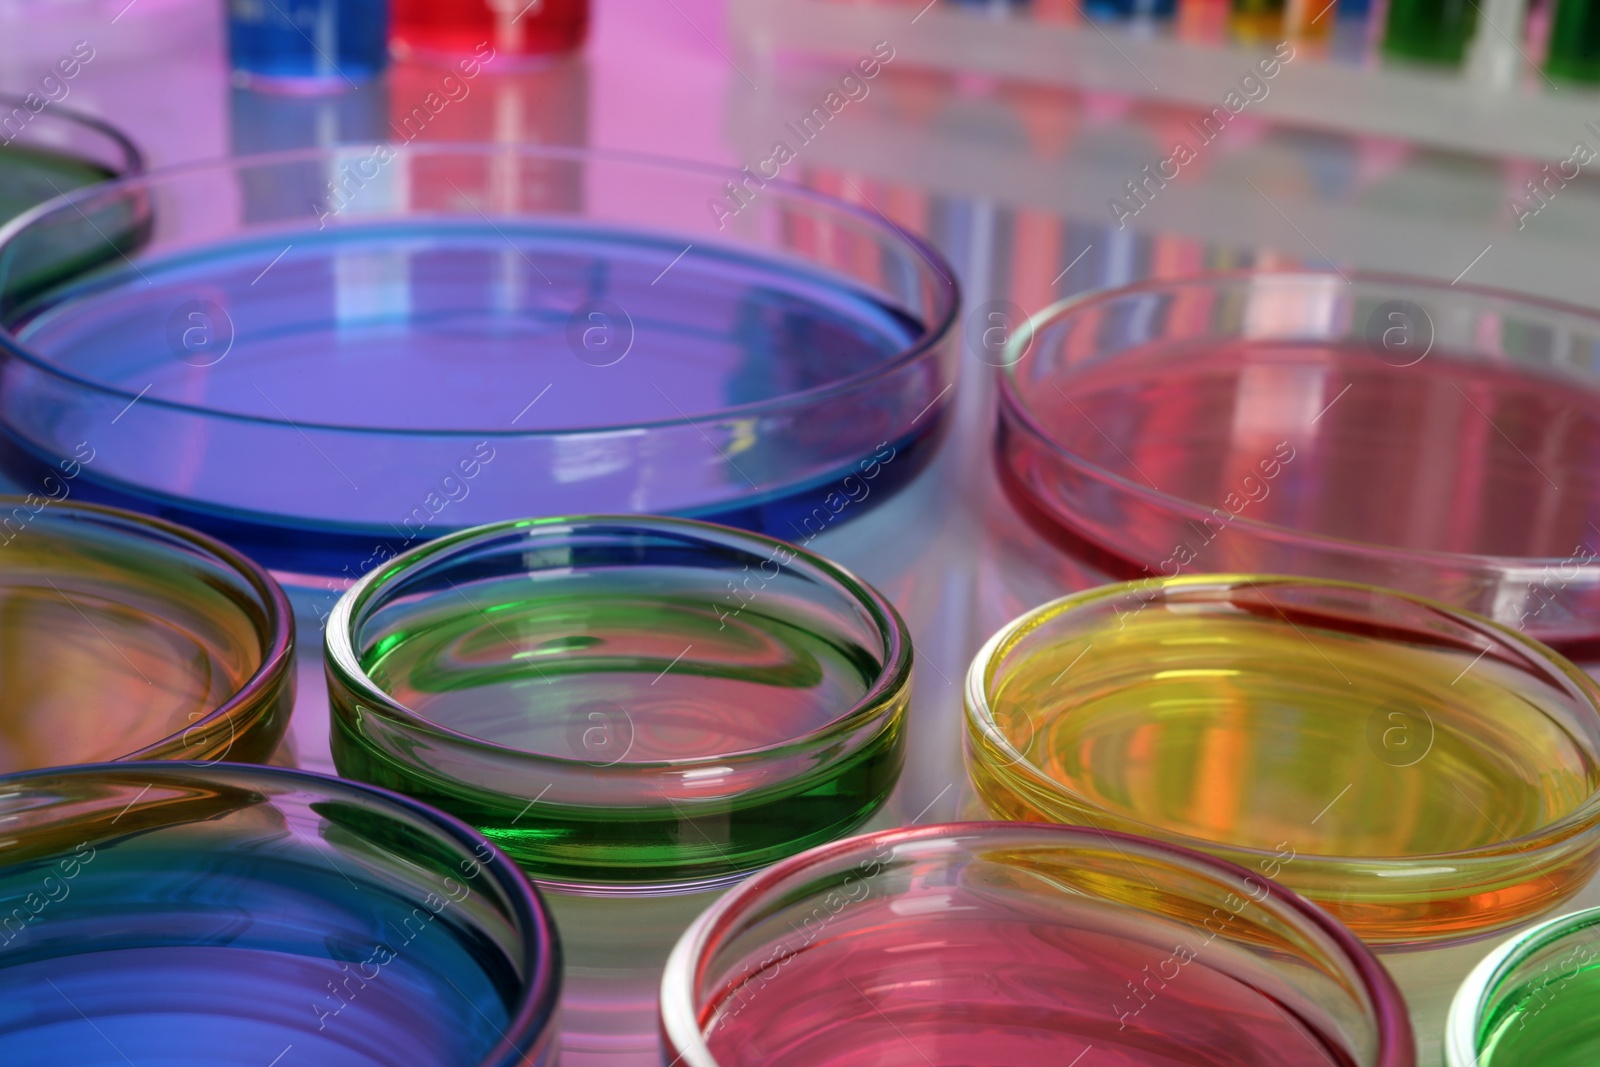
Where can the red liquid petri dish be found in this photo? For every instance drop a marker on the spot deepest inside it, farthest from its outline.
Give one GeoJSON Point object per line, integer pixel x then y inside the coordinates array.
{"type": "Point", "coordinates": [1017, 944]}
{"type": "Point", "coordinates": [1399, 432]}
{"type": "Point", "coordinates": [503, 29]}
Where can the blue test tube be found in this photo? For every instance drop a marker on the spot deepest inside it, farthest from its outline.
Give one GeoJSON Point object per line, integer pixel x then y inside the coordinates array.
{"type": "Point", "coordinates": [307, 45]}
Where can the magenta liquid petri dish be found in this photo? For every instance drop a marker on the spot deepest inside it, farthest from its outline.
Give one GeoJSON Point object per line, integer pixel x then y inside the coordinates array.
{"type": "Point", "coordinates": [1398, 432]}
{"type": "Point", "coordinates": [1015, 944]}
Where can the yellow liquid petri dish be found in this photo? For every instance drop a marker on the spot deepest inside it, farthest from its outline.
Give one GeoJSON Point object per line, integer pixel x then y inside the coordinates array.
{"type": "Point", "coordinates": [1421, 772]}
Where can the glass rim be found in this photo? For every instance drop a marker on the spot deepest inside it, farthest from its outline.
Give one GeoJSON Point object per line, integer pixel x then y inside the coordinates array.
{"type": "Point", "coordinates": [685, 965]}
{"type": "Point", "coordinates": [979, 714]}
{"type": "Point", "coordinates": [541, 1000]}
{"type": "Point", "coordinates": [133, 158]}
{"type": "Point", "coordinates": [276, 667]}
{"type": "Point", "coordinates": [1465, 1016]}
{"type": "Point", "coordinates": [368, 593]}
{"type": "Point", "coordinates": [935, 332]}
{"type": "Point", "coordinates": [1014, 408]}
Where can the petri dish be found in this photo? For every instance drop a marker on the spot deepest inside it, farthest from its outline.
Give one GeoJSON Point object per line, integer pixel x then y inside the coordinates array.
{"type": "Point", "coordinates": [163, 913]}
{"type": "Point", "coordinates": [1530, 1002]}
{"type": "Point", "coordinates": [1388, 431]}
{"type": "Point", "coordinates": [46, 151]}
{"type": "Point", "coordinates": [624, 704]}
{"type": "Point", "coordinates": [1012, 944]}
{"type": "Point", "coordinates": [124, 637]}
{"type": "Point", "coordinates": [1422, 773]}
{"type": "Point", "coordinates": [329, 355]}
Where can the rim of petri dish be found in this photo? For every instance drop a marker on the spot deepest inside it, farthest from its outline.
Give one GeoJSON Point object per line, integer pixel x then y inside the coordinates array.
{"type": "Point", "coordinates": [130, 159]}
{"type": "Point", "coordinates": [540, 941]}
{"type": "Point", "coordinates": [681, 1022]}
{"type": "Point", "coordinates": [247, 719]}
{"type": "Point", "coordinates": [1583, 820]}
{"type": "Point", "coordinates": [859, 749]}
{"type": "Point", "coordinates": [934, 333]}
{"type": "Point", "coordinates": [1465, 1020]}
{"type": "Point", "coordinates": [1054, 520]}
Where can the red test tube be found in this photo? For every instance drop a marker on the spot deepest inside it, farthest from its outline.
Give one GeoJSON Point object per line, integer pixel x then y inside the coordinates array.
{"type": "Point", "coordinates": [514, 28]}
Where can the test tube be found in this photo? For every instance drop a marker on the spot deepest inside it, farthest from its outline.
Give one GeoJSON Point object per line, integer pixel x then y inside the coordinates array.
{"type": "Point", "coordinates": [1575, 41]}
{"type": "Point", "coordinates": [512, 28]}
{"type": "Point", "coordinates": [307, 45]}
{"type": "Point", "coordinates": [1434, 31]}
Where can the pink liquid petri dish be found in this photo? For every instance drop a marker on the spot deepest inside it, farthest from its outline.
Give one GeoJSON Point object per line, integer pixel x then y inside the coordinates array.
{"type": "Point", "coordinates": [1399, 432]}
{"type": "Point", "coordinates": [1016, 944]}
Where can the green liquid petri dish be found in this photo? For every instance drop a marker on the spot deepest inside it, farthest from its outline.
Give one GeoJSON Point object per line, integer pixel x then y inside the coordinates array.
{"type": "Point", "coordinates": [1532, 1001]}
{"type": "Point", "coordinates": [624, 704]}
{"type": "Point", "coordinates": [1431, 31]}
{"type": "Point", "coordinates": [1574, 51]}
{"type": "Point", "coordinates": [47, 151]}
{"type": "Point", "coordinates": [124, 637]}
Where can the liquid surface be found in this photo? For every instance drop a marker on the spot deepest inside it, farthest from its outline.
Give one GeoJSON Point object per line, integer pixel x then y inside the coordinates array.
{"type": "Point", "coordinates": [105, 649]}
{"type": "Point", "coordinates": [1452, 454]}
{"type": "Point", "coordinates": [956, 980]}
{"type": "Point", "coordinates": [1241, 729]}
{"type": "Point", "coordinates": [459, 326]}
{"type": "Point", "coordinates": [1549, 1022]}
{"type": "Point", "coordinates": [30, 175]}
{"type": "Point", "coordinates": [609, 669]}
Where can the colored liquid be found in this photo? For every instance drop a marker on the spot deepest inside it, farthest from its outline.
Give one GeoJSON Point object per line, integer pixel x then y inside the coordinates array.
{"type": "Point", "coordinates": [331, 43]}
{"type": "Point", "coordinates": [156, 957]}
{"type": "Point", "coordinates": [1240, 729]}
{"type": "Point", "coordinates": [1450, 455]}
{"type": "Point", "coordinates": [959, 978]}
{"type": "Point", "coordinates": [1434, 31]}
{"type": "Point", "coordinates": [30, 175]}
{"type": "Point", "coordinates": [1550, 1021]}
{"type": "Point", "coordinates": [467, 328]}
{"type": "Point", "coordinates": [617, 672]}
{"type": "Point", "coordinates": [104, 651]}
{"type": "Point", "coordinates": [1574, 50]}
{"type": "Point", "coordinates": [511, 27]}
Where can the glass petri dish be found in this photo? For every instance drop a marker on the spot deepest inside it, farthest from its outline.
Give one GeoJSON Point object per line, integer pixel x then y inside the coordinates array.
{"type": "Point", "coordinates": [226, 915]}
{"type": "Point", "coordinates": [1530, 1002]}
{"type": "Point", "coordinates": [327, 356]}
{"type": "Point", "coordinates": [124, 637]}
{"type": "Point", "coordinates": [1013, 944]}
{"type": "Point", "coordinates": [1397, 432]}
{"type": "Point", "coordinates": [1422, 773]}
{"type": "Point", "coordinates": [623, 704]}
{"type": "Point", "coordinates": [46, 151]}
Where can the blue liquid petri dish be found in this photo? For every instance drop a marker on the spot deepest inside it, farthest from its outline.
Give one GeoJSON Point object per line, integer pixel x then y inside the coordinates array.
{"type": "Point", "coordinates": [307, 45]}
{"type": "Point", "coordinates": [170, 914]}
{"type": "Point", "coordinates": [435, 337]}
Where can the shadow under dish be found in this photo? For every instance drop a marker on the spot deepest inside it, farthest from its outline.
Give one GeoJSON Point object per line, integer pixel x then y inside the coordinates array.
{"type": "Point", "coordinates": [1384, 430]}
{"type": "Point", "coordinates": [1012, 945]}
{"type": "Point", "coordinates": [241, 916]}
{"type": "Point", "coordinates": [594, 695]}
{"type": "Point", "coordinates": [123, 637]}
{"type": "Point", "coordinates": [1421, 773]}
{"type": "Point", "coordinates": [405, 360]}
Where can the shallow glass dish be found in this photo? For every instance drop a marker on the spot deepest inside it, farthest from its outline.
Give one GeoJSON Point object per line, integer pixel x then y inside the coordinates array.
{"type": "Point", "coordinates": [328, 355]}
{"type": "Point", "coordinates": [623, 704]}
{"type": "Point", "coordinates": [1531, 1002]}
{"type": "Point", "coordinates": [46, 151]}
{"type": "Point", "coordinates": [1400, 432]}
{"type": "Point", "coordinates": [1422, 773]}
{"type": "Point", "coordinates": [125, 637]}
{"type": "Point", "coordinates": [237, 916]}
{"type": "Point", "coordinates": [1012, 945]}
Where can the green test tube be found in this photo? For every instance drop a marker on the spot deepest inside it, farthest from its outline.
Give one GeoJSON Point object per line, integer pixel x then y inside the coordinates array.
{"type": "Point", "coordinates": [1434, 31]}
{"type": "Point", "coordinates": [1575, 41]}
